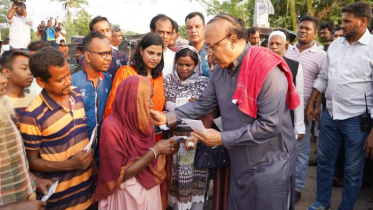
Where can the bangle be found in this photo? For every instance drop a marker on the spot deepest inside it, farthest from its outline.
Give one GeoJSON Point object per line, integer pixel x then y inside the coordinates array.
{"type": "Point", "coordinates": [155, 154]}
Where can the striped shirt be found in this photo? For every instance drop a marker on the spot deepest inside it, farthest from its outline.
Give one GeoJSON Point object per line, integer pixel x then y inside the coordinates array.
{"type": "Point", "coordinates": [15, 182]}
{"type": "Point", "coordinates": [311, 60]}
{"type": "Point", "coordinates": [58, 134]}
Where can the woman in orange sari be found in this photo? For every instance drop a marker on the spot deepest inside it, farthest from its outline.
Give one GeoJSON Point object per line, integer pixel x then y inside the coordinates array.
{"type": "Point", "coordinates": [132, 163]}
{"type": "Point", "coordinates": [147, 61]}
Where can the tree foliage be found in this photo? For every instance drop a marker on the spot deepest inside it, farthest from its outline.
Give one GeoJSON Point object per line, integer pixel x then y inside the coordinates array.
{"type": "Point", "coordinates": [72, 4]}
{"type": "Point", "coordinates": [79, 26]}
{"type": "Point", "coordinates": [287, 12]}
{"type": "Point", "coordinates": [243, 9]}
{"type": "Point", "coordinates": [4, 8]}
{"type": "Point", "coordinates": [182, 32]}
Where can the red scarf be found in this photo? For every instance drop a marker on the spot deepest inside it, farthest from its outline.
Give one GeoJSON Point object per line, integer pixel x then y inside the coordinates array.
{"type": "Point", "coordinates": [126, 135]}
{"type": "Point", "coordinates": [256, 66]}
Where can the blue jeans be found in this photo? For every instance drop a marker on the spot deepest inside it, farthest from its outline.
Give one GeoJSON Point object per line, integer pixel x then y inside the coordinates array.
{"type": "Point", "coordinates": [303, 154]}
{"type": "Point", "coordinates": [331, 137]}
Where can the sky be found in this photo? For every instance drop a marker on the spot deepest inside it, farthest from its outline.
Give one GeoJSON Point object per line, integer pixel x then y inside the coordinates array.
{"type": "Point", "coordinates": [131, 15]}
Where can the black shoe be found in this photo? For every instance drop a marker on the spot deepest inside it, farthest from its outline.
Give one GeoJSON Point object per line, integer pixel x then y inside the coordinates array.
{"type": "Point", "coordinates": [312, 162]}
{"type": "Point", "coordinates": [297, 196]}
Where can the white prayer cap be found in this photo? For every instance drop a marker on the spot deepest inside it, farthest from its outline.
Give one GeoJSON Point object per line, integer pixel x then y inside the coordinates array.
{"type": "Point", "coordinates": [280, 33]}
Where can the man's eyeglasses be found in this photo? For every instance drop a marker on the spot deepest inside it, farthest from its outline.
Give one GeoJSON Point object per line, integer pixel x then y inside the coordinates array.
{"type": "Point", "coordinates": [108, 54]}
{"type": "Point", "coordinates": [211, 49]}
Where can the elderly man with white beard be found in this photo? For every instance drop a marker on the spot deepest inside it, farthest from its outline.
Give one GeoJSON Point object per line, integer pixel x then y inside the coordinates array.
{"type": "Point", "coordinates": [277, 44]}
{"type": "Point", "coordinates": [14, 164]}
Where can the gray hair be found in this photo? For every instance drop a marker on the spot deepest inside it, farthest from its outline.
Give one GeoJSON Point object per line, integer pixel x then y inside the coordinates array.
{"type": "Point", "coordinates": [115, 29]}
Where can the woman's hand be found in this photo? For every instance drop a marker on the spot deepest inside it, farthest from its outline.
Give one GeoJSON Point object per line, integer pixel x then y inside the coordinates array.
{"type": "Point", "coordinates": [166, 147]}
{"type": "Point", "coordinates": [194, 140]}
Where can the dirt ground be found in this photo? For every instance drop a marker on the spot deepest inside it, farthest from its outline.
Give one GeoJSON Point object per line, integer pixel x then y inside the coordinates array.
{"type": "Point", "coordinates": [309, 191]}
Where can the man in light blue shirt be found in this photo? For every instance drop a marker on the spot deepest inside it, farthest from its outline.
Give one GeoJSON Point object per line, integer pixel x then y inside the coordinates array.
{"type": "Point", "coordinates": [346, 77]}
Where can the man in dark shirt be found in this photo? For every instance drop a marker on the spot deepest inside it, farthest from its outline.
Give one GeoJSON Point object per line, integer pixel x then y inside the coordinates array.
{"type": "Point", "coordinates": [41, 31]}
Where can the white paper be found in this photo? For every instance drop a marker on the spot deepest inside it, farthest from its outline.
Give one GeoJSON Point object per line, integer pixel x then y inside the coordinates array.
{"type": "Point", "coordinates": [164, 127]}
{"type": "Point", "coordinates": [194, 124]}
{"type": "Point", "coordinates": [51, 190]}
{"type": "Point", "coordinates": [181, 101]}
{"type": "Point", "coordinates": [93, 136]}
{"type": "Point", "coordinates": [218, 123]}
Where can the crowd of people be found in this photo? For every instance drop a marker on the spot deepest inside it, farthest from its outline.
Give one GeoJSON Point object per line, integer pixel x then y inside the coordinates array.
{"type": "Point", "coordinates": [110, 132]}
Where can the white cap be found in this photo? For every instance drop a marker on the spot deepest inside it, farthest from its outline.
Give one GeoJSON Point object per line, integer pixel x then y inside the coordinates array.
{"type": "Point", "coordinates": [280, 33]}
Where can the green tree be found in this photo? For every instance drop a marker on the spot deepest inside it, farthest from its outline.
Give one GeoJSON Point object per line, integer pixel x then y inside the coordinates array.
{"type": "Point", "coordinates": [33, 36]}
{"type": "Point", "coordinates": [4, 8]}
{"type": "Point", "coordinates": [79, 26]}
{"type": "Point", "coordinates": [243, 9]}
{"type": "Point", "coordinates": [182, 32]}
{"type": "Point", "coordinates": [72, 4]}
{"type": "Point", "coordinates": [287, 12]}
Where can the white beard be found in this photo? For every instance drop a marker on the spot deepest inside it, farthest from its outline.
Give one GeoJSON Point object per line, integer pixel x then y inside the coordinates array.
{"type": "Point", "coordinates": [6, 109]}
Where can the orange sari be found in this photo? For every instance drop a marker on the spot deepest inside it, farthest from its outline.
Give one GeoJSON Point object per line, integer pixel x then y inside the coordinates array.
{"type": "Point", "coordinates": [126, 71]}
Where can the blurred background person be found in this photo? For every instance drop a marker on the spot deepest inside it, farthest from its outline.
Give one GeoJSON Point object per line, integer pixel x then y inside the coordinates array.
{"type": "Point", "coordinates": [173, 45]}
{"type": "Point", "coordinates": [19, 26]}
{"type": "Point", "coordinates": [60, 34]}
{"type": "Point", "coordinates": [51, 32]}
{"type": "Point", "coordinates": [6, 46]}
{"type": "Point", "coordinates": [41, 31]}
{"type": "Point", "coordinates": [64, 49]}
{"type": "Point", "coordinates": [116, 37]}
{"type": "Point", "coordinates": [253, 36]}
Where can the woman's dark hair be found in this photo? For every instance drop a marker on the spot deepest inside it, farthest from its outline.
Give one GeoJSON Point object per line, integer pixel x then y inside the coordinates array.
{"type": "Point", "coordinates": [187, 52]}
{"type": "Point", "coordinates": [43, 59]}
{"type": "Point", "coordinates": [137, 62]}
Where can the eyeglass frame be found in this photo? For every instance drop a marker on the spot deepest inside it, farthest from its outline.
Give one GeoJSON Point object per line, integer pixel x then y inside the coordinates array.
{"type": "Point", "coordinates": [110, 54]}
{"type": "Point", "coordinates": [211, 49]}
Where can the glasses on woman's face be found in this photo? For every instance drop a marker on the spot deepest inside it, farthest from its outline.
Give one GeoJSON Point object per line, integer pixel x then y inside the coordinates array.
{"type": "Point", "coordinates": [104, 54]}
{"type": "Point", "coordinates": [211, 49]}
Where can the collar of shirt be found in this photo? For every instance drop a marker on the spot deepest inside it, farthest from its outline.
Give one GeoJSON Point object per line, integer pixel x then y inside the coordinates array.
{"type": "Point", "coordinates": [114, 47]}
{"type": "Point", "coordinates": [240, 58]}
{"type": "Point", "coordinates": [51, 104]}
{"type": "Point", "coordinates": [102, 76]}
{"type": "Point", "coordinates": [365, 39]}
{"type": "Point", "coordinates": [313, 48]}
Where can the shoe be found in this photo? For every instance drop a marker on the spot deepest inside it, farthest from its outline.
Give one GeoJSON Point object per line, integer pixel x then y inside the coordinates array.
{"type": "Point", "coordinates": [297, 196]}
{"type": "Point", "coordinates": [312, 162]}
{"type": "Point", "coordinates": [317, 206]}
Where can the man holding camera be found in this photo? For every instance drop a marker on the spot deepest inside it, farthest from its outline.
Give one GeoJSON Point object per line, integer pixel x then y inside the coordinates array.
{"type": "Point", "coordinates": [19, 25]}
{"type": "Point", "coordinates": [41, 31]}
{"type": "Point", "coordinates": [60, 34]}
{"type": "Point", "coordinates": [50, 31]}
